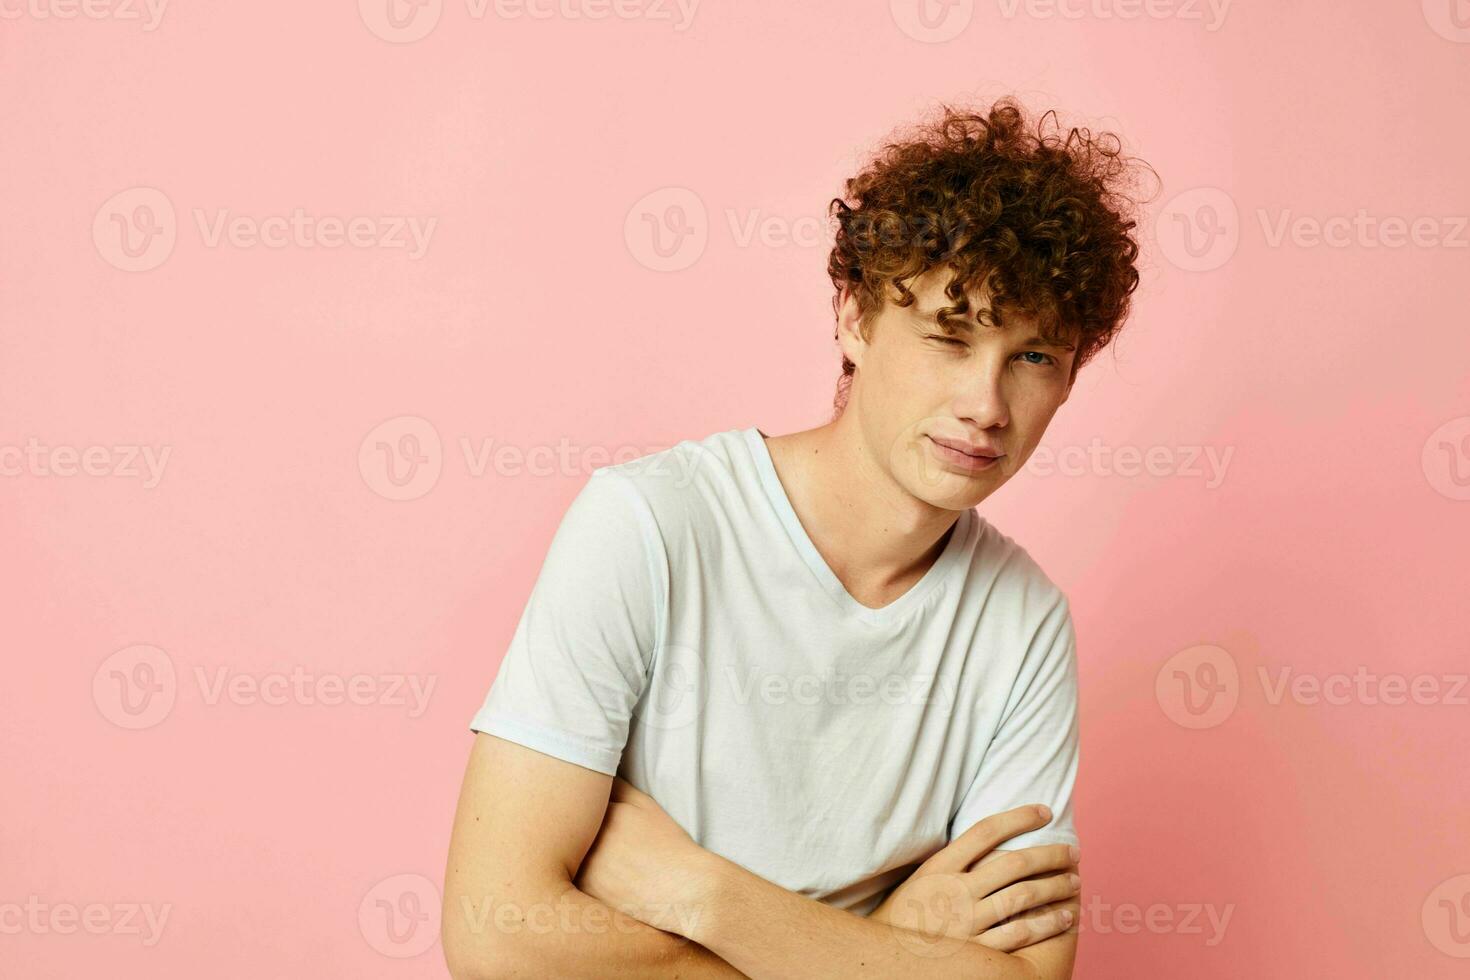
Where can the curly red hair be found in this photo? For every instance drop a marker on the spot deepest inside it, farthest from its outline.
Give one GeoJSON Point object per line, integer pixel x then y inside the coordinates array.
{"type": "Point", "coordinates": [1038, 221]}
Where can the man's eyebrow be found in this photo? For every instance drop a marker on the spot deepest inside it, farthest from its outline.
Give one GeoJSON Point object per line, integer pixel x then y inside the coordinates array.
{"type": "Point", "coordinates": [932, 316]}
{"type": "Point", "coordinates": [966, 326]}
{"type": "Point", "coordinates": [1043, 342]}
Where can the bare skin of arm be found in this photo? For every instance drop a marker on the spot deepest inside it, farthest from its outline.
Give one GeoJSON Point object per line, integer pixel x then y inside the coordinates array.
{"type": "Point", "coordinates": [768, 932]}
{"type": "Point", "coordinates": [524, 824]}
{"type": "Point", "coordinates": [1031, 914]}
{"type": "Point", "coordinates": [517, 905]}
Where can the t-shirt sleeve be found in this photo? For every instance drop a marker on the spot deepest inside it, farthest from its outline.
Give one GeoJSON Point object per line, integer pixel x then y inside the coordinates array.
{"type": "Point", "coordinates": [1033, 756]}
{"type": "Point", "coordinates": [578, 660]}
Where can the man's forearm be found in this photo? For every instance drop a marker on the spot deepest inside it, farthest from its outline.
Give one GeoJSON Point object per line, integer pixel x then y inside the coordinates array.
{"type": "Point", "coordinates": [769, 933]}
{"type": "Point", "coordinates": [576, 935]}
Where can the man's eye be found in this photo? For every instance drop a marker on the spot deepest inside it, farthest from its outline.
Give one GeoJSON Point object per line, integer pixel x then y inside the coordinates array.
{"type": "Point", "coordinates": [1045, 358]}
{"type": "Point", "coordinates": [946, 340]}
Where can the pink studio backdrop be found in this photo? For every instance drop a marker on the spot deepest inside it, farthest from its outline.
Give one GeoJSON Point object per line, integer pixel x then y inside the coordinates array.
{"type": "Point", "coordinates": [313, 319]}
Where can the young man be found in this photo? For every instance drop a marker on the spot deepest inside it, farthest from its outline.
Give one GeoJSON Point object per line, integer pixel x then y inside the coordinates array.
{"type": "Point", "coordinates": [792, 697]}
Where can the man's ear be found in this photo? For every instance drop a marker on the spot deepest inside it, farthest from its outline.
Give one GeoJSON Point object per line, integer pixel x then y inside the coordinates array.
{"type": "Point", "coordinates": [849, 328]}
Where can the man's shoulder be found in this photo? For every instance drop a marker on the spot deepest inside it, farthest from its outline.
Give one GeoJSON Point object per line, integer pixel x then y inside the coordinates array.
{"type": "Point", "coordinates": [999, 564]}
{"type": "Point", "coordinates": [683, 479]}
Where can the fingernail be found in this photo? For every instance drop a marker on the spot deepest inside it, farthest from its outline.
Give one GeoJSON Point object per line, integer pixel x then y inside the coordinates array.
{"type": "Point", "coordinates": [1073, 881]}
{"type": "Point", "coordinates": [1066, 917]}
{"type": "Point", "coordinates": [1075, 853]}
{"type": "Point", "coordinates": [1043, 811]}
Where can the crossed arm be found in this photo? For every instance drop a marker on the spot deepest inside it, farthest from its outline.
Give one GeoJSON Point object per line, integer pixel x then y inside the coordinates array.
{"type": "Point", "coordinates": [526, 894]}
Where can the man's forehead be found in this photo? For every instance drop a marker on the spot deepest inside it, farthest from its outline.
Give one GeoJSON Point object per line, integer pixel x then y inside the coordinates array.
{"type": "Point", "coordinates": [927, 308]}
{"type": "Point", "coordinates": [930, 298]}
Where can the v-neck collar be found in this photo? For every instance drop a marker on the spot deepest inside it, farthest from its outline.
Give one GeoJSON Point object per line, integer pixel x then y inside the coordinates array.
{"type": "Point", "coordinates": [954, 548]}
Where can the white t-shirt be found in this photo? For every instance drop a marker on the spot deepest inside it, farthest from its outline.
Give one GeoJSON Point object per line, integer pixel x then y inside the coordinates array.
{"type": "Point", "coordinates": [685, 634]}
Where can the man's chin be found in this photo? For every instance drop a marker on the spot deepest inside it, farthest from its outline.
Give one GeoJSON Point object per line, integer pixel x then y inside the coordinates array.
{"type": "Point", "coordinates": [954, 491]}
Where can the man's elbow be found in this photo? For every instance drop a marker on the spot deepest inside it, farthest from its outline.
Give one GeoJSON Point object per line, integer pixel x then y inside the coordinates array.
{"type": "Point", "coordinates": [498, 960]}
{"type": "Point", "coordinates": [1027, 970]}
{"type": "Point", "coordinates": [1050, 960]}
{"type": "Point", "coordinates": [479, 951]}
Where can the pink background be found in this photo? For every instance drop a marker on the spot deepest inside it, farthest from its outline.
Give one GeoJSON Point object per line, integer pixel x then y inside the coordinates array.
{"type": "Point", "coordinates": [307, 839]}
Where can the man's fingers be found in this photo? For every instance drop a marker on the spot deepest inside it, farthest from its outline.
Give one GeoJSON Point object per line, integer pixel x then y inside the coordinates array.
{"type": "Point", "coordinates": [1025, 896]}
{"type": "Point", "coordinates": [1008, 867]}
{"type": "Point", "coordinates": [968, 847]}
{"type": "Point", "coordinates": [1032, 927]}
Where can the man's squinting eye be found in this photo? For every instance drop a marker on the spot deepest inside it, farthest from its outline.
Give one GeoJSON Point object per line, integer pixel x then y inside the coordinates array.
{"type": "Point", "coordinates": [1046, 359]}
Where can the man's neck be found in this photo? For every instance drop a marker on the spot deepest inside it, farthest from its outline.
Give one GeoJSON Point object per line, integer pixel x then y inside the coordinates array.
{"type": "Point", "coordinates": [877, 538]}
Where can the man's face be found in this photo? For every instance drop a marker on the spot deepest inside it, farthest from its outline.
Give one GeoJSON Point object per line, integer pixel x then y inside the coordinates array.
{"type": "Point", "coordinates": [979, 388]}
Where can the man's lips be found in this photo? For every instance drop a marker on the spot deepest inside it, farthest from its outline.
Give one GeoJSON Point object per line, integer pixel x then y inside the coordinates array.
{"type": "Point", "coordinates": [968, 448]}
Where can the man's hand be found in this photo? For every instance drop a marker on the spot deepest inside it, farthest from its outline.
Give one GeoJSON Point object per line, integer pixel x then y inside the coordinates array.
{"type": "Point", "coordinates": [643, 863]}
{"type": "Point", "coordinates": [1002, 899]}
